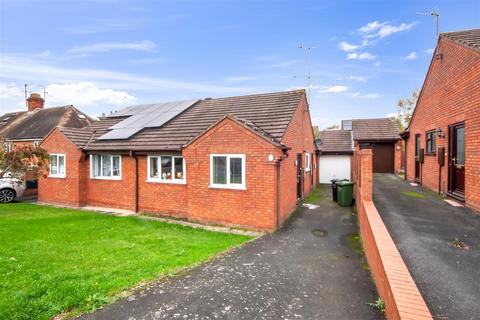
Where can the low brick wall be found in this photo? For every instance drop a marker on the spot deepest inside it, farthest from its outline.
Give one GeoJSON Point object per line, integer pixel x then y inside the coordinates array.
{"type": "Point", "coordinates": [394, 283]}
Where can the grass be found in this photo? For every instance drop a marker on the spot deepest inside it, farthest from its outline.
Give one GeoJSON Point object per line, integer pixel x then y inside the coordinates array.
{"type": "Point", "coordinates": [314, 197]}
{"type": "Point", "coordinates": [56, 260]}
{"type": "Point", "coordinates": [413, 194]}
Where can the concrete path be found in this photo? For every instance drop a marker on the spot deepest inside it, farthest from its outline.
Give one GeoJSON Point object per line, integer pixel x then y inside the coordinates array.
{"type": "Point", "coordinates": [292, 274]}
{"type": "Point", "coordinates": [423, 227]}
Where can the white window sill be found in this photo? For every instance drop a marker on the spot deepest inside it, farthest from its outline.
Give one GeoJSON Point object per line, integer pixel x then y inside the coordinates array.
{"type": "Point", "coordinates": [227, 186]}
{"type": "Point", "coordinates": [166, 181]}
{"type": "Point", "coordinates": [106, 178]}
{"type": "Point", "coordinates": [57, 176]}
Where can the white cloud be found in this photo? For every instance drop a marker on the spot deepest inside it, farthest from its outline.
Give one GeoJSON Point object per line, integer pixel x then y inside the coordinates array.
{"type": "Point", "coordinates": [80, 94]}
{"type": "Point", "coordinates": [380, 30]}
{"type": "Point", "coordinates": [411, 56]}
{"type": "Point", "coordinates": [359, 79]}
{"type": "Point", "coordinates": [110, 46]}
{"type": "Point", "coordinates": [100, 26]}
{"type": "Point", "coordinates": [360, 56]}
{"type": "Point", "coordinates": [378, 63]}
{"type": "Point", "coordinates": [282, 64]}
{"type": "Point", "coordinates": [347, 47]}
{"type": "Point", "coordinates": [372, 26]}
{"type": "Point", "coordinates": [430, 51]}
{"type": "Point", "coordinates": [334, 89]}
{"type": "Point", "coordinates": [148, 60]}
{"type": "Point", "coordinates": [239, 79]}
{"type": "Point", "coordinates": [366, 96]}
{"type": "Point", "coordinates": [23, 68]}
{"type": "Point", "coordinates": [85, 94]}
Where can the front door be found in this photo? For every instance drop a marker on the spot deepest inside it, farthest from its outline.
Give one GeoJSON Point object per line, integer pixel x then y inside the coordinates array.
{"type": "Point", "coordinates": [456, 160]}
{"type": "Point", "coordinates": [417, 157]}
{"type": "Point", "coordinates": [299, 176]}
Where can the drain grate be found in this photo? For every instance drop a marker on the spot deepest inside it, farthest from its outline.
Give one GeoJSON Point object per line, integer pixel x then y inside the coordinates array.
{"type": "Point", "coordinates": [319, 232]}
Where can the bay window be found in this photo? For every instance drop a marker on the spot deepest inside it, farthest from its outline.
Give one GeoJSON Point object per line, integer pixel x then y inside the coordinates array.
{"type": "Point", "coordinates": [105, 166]}
{"type": "Point", "coordinates": [57, 166]}
{"type": "Point", "coordinates": [166, 169]}
{"type": "Point", "coordinates": [227, 171]}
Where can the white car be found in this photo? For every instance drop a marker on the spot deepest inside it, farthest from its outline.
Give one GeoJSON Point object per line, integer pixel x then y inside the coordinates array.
{"type": "Point", "coordinates": [11, 188]}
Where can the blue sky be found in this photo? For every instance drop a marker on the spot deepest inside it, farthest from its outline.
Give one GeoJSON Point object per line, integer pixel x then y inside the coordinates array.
{"type": "Point", "coordinates": [105, 54]}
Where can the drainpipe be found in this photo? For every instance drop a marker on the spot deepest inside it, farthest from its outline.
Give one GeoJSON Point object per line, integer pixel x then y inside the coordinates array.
{"type": "Point", "coordinates": [132, 155]}
{"type": "Point", "coordinates": [277, 191]}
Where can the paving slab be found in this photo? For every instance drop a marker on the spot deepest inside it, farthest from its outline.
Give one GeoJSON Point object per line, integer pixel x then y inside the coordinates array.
{"type": "Point", "coordinates": [423, 227]}
{"type": "Point", "coordinates": [307, 270]}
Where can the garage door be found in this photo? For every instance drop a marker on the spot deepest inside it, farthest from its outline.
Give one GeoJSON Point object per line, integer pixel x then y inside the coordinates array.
{"type": "Point", "coordinates": [383, 157]}
{"type": "Point", "coordinates": [334, 167]}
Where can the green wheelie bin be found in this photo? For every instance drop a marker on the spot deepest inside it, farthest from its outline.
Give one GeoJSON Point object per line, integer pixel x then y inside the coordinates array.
{"type": "Point", "coordinates": [345, 193]}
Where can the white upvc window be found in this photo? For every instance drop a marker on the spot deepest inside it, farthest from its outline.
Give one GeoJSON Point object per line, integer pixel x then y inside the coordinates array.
{"type": "Point", "coordinates": [308, 163]}
{"type": "Point", "coordinates": [36, 143]}
{"type": "Point", "coordinates": [227, 171]}
{"type": "Point", "coordinates": [8, 146]}
{"type": "Point", "coordinates": [166, 169]}
{"type": "Point", "coordinates": [57, 166]}
{"type": "Point", "coordinates": [105, 166]}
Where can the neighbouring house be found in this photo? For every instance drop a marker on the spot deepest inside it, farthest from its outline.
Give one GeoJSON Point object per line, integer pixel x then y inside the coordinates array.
{"type": "Point", "coordinates": [337, 146]}
{"type": "Point", "coordinates": [32, 126]}
{"type": "Point", "coordinates": [443, 137]}
{"type": "Point", "coordinates": [240, 161]}
{"type": "Point", "coordinates": [336, 151]}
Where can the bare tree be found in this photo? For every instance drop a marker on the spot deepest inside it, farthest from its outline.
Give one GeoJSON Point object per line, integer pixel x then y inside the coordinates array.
{"type": "Point", "coordinates": [334, 127]}
{"type": "Point", "coordinates": [316, 132]}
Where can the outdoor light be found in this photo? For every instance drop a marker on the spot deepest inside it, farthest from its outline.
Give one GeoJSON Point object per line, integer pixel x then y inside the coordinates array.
{"type": "Point", "coordinates": [440, 133]}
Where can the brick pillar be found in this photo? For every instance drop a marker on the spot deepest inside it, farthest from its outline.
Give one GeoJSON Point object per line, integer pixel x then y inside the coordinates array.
{"type": "Point", "coordinates": [366, 172]}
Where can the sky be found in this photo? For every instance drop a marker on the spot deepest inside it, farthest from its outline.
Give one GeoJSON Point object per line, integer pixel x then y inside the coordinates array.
{"type": "Point", "coordinates": [103, 55]}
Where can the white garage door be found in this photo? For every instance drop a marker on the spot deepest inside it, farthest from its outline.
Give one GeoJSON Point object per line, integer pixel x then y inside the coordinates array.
{"type": "Point", "coordinates": [334, 167]}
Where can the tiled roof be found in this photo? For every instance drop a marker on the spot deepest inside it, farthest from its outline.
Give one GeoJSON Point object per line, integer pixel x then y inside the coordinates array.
{"type": "Point", "coordinates": [81, 136]}
{"type": "Point", "coordinates": [375, 129]}
{"type": "Point", "coordinates": [269, 113]}
{"type": "Point", "coordinates": [335, 141]}
{"type": "Point", "coordinates": [468, 38]}
{"type": "Point", "coordinates": [8, 120]}
{"type": "Point", "coordinates": [37, 124]}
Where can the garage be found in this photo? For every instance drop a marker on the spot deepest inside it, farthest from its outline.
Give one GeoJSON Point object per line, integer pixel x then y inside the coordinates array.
{"type": "Point", "coordinates": [334, 167]}
{"type": "Point", "coordinates": [383, 157]}
{"type": "Point", "coordinates": [336, 150]}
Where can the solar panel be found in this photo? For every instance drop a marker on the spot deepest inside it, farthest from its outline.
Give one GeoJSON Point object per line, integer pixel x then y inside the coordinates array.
{"type": "Point", "coordinates": [144, 116]}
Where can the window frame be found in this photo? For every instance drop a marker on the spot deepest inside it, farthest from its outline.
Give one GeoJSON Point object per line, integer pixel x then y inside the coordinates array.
{"type": "Point", "coordinates": [308, 162]}
{"type": "Point", "coordinates": [92, 176]}
{"type": "Point", "coordinates": [159, 165]}
{"type": "Point", "coordinates": [57, 175]}
{"type": "Point", "coordinates": [8, 146]}
{"type": "Point", "coordinates": [228, 184]}
{"type": "Point", "coordinates": [433, 139]}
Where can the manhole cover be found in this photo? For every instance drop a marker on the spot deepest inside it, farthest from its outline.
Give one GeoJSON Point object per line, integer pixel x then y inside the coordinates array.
{"type": "Point", "coordinates": [319, 232]}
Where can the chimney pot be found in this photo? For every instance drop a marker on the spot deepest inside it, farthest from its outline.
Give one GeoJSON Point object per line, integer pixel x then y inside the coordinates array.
{"type": "Point", "coordinates": [35, 101]}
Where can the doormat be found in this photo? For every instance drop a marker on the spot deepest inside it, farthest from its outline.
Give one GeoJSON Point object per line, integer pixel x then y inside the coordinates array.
{"type": "Point", "coordinates": [413, 184]}
{"type": "Point", "coordinates": [310, 206]}
{"type": "Point", "coordinates": [453, 203]}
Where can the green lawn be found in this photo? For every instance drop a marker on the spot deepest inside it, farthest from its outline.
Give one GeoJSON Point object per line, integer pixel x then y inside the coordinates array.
{"type": "Point", "coordinates": [59, 260]}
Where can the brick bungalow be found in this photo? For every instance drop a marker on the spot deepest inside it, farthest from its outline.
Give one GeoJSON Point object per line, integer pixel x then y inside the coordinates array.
{"type": "Point", "coordinates": [337, 147]}
{"type": "Point", "coordinates": [241, 161]}
{"type": "Point", "coordinates": [443, 137]}
{"type": "Point", "coordinates": [30, 127]}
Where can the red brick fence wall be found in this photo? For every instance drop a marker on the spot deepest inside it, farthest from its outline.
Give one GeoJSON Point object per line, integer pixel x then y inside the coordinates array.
{"type": "Point", "coordinates": [392, 278]}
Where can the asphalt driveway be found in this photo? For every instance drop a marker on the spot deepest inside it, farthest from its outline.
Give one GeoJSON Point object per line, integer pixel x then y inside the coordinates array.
{"type": "Point", "coordinates": [292, 274]}
{"type": "Point", "coordinates": [423, 227]}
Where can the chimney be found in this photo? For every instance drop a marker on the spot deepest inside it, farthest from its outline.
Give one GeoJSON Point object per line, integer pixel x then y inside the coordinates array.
{"type": "Point", "coordinates": [35, 101]}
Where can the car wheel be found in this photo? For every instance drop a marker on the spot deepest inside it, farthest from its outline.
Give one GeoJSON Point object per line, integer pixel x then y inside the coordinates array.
{"type": "Point", "coordinates": [7, 195]}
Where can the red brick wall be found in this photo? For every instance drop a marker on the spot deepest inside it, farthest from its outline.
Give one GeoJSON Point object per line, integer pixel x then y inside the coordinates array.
{"type": "Point", "coordinates": [299, 137]}
{"type": "Point", "coordinates": [253, 207]}
{"type": "Point", "coordinates": [451, 94]}
{"type": "Point", "coordinates": [165, 198]}
{"type": "Point", "coordinates": [62, 190]}
{"type": "Point", "coordinates": [398, 157]}
{"type": "Point", "coordinates": [112, 193]}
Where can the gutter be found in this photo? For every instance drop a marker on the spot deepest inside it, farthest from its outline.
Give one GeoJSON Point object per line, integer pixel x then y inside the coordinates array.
{"type": "Point", "coordinates": [132, 155]}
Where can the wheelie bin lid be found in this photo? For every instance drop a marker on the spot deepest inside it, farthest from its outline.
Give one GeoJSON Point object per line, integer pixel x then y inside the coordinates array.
{"type": "Point", "coordinates": [345, 183]}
